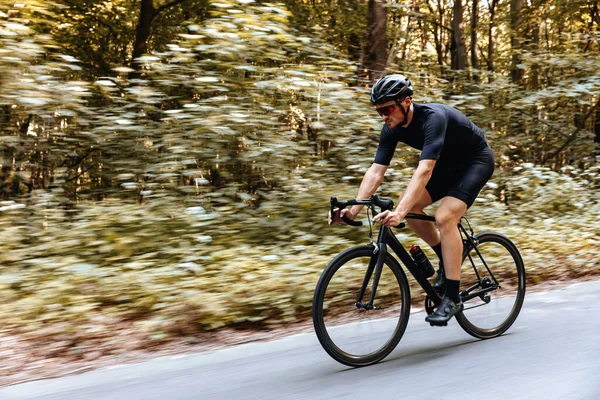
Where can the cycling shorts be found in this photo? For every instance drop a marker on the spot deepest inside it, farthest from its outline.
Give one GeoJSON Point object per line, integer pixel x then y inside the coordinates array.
{"type": "Point", "coordinates": [463, 180]}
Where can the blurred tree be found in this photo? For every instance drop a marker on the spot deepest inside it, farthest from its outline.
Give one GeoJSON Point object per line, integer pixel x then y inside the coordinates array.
{"type": "Point", "coordinates": [113, 126]}
{"type": "Point", "coordinates": [148, 13]}
{"type": "Point", "coordinates": [516, 20]}
{"type": "Point", "coordinates": [457, 47]}
{"type": "Point", "coordinates": [376, 46]}
{"type": "Point", "coordinates": [108, 34]}
{"type": "Point", "coordinates": [491, 35]}
{"type": "Point", "coordinates": [474, 20]}
{"type": "Point", "coordinates": [342, 23]}
{"type": "Point", "coordinates": [438, 29]}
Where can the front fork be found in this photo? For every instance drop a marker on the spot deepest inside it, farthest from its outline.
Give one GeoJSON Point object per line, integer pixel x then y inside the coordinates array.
{"type": "Point", "coordinates": [375, 265]}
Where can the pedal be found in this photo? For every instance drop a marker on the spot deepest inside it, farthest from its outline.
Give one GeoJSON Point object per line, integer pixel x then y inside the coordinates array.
{"type": "Point", "coordinates": [439, 324]}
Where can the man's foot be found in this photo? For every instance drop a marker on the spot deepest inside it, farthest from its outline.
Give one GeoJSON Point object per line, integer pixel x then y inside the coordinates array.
{"type": "Point", "coordinates": [438, 284]}
{"type": "Point", "coordinates": [446, 310]}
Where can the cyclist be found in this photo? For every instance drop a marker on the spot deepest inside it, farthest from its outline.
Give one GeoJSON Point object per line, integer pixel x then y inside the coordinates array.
{"type": "Point", "coordinates": [455, 163]}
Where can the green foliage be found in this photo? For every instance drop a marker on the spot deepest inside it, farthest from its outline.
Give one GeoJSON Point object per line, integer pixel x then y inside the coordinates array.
{"type": "Point", "coordinates": [158, 262]}
{"type": "Point", "coordinates": [342, 22]}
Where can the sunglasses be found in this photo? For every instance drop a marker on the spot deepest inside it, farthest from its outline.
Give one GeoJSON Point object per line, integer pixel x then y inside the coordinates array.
{"type": "Point", "coordinates": [386, 110]}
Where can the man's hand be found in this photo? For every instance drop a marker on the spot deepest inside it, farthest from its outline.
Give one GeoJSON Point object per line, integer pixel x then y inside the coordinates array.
{"type": "Point", "coordinates": [389, 218]}
{"type": "Point", "coordinates": [338, 216]}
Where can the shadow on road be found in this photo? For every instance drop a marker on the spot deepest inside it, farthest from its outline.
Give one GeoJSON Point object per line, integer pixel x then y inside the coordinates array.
{"type": "Point", "coordinates": [414, 356]}
{"type": "Point", "coordinates": [426, 353]}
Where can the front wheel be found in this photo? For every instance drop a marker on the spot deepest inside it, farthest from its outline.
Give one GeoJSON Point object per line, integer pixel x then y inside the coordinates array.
{"type": "Point", "coordinates": [492, 286]}
{"type": "Point", "coordinates": [350, 334]}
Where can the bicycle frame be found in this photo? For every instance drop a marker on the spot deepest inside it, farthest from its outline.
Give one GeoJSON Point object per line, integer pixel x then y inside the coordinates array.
{"type": "Point", "coordinates": [387, 238]}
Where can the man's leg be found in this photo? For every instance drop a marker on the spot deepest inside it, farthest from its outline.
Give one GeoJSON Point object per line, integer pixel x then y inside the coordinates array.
{"type": "Point", "coordinates": [425, 229]}
{"type": "Point", "coordinates": [447, 217]}
{"type": "Point", "coordinates": [428, 232]}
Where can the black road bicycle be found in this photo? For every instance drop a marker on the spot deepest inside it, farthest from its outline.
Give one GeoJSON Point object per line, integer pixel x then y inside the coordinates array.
{"type": "Point", "coordinates": [361, 303]}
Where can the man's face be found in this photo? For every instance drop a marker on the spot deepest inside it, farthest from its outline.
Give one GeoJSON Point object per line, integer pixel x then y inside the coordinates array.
{"type": "Point", "coordinates": [396, 117]}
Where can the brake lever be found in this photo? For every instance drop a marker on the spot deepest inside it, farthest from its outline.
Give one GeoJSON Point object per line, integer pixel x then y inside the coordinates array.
{"type": "Point", "coordinates": [333, 201]}
{"type": "Point", "coordinates": [351, 222]}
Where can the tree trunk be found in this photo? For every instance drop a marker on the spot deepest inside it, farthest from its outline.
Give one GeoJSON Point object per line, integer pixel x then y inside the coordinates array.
{"type": "Point", "coordinates": [597, 128]}
{"type": "Point", "coordinates": [147, 14]}
{"type": "Point", "coordinates": [535, 44]}
{"type": "Point", "coordinates": [594, 17]}
{"type": "Point", "coordinates": [490, 57]}
{"type": "Point", "coordinates": [458, 48]}
{"type": "Point", "coordinates": [437, 36]}
{"type": "Point", "coordinates": [406, 39]}
{"type": "Point", "coordinates": [446, 49]}
{"type": "Point", "coordinates": [474, 11]}
{"type": "Point", "coordinates": [516, 19]}
{"type": "Point", "coordinates": [424, 40]}
{"type": "Point", "coordinates": [396, 43]}
{"type": "Point", "coordinates": [374, 61]}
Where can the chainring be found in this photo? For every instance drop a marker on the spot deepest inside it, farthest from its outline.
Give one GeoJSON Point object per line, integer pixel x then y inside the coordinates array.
{"type": "Point", "coordinates": [430, 306]}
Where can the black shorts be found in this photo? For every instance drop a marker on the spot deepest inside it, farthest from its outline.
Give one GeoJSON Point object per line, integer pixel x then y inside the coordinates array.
{"type": "Point", "coordinates": [463, 180]}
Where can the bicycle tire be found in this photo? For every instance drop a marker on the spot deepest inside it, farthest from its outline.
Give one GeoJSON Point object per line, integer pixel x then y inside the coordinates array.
{"type": "Point", "coordinates": [464, 321]}
{"type": "Point", "coordinates": [321, 330]}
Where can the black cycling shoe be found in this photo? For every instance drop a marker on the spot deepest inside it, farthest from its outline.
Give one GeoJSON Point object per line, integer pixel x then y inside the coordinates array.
{"type": "Point", "coordinates": [440, 280]}
{"type": "Point", "coordinates": [446, 310]}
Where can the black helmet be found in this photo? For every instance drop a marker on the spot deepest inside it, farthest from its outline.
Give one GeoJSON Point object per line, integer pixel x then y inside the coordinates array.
{"type": "Point", "coordinates": [391, 87]}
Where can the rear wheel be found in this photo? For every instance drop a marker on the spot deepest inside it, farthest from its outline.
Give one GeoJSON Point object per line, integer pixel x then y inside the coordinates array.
{"type": "Point", "coordinates": [352, 335]}
{"type": "Point", "coordinates": [492, 286]}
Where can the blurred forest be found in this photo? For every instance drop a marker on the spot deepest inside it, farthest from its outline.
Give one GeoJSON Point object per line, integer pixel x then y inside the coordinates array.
{"type": "Point", "coordinates": [169, 162]}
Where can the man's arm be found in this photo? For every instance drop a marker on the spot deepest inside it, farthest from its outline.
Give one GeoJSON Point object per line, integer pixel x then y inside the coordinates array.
{"type": "Point", "coordinates": [369, 185]}
{"type": "Point", "coordinates": [413, 191]}
{"type": "Point", "coordinates": [415, 186]}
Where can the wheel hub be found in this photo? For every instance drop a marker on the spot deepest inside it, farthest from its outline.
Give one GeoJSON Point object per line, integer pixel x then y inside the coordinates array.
{"type": "Point", "coordinates": [485, 283]}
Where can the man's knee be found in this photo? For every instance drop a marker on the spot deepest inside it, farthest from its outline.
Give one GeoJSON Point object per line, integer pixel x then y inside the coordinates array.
{"type": "Point", "coordinates": [450, 212]}
{"type": "Point", "coordinates": [444, 218]}
{"type": "Point", "coordinates": [447, 218]}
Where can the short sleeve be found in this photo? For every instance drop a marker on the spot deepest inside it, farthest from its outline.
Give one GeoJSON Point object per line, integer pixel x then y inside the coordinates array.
{"type": "Point", "coordinates": [434, 132]}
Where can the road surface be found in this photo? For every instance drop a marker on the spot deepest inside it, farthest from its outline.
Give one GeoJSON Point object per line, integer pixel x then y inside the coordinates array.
{"type": "Point", "coordinates": [551, 352]}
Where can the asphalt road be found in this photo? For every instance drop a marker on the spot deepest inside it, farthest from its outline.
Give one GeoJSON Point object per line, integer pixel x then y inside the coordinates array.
{"type": "Point", "coordinates": [551, 352]}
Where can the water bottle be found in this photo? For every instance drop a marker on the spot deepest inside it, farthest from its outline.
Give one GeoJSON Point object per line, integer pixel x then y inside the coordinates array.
{"type": "Point", "coordinates": [422, 261]}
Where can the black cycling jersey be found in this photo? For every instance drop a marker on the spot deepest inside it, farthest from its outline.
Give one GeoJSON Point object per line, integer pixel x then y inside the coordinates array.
{"type": "Point", "coordinates": [465, 162]}
{"type": "Point", "coordinates": [441, 132]}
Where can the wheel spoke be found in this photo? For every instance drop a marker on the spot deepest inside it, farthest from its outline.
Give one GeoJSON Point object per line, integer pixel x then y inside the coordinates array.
{"type": "Point", "coordinates": [495, 261]}
{"type": "Point", "coordinates": [356, 336]}
{"type": "Point", "coordinates": [474, 306]}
